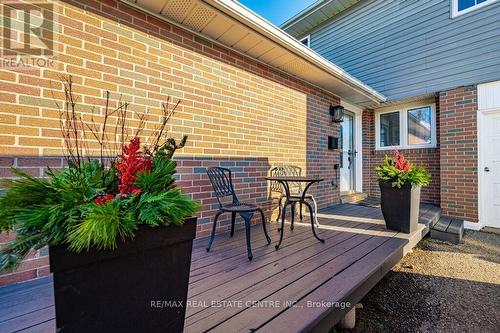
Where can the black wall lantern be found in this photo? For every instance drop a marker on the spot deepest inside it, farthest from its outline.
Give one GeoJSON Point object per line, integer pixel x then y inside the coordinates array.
{"type": "Point", "coordinates": [337, 113]}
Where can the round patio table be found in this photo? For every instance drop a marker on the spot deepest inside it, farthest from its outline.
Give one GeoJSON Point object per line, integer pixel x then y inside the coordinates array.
{"type": "Point", "coordinates": [294, 199]}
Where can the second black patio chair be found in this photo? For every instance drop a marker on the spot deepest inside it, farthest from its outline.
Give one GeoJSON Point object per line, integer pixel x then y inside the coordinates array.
{"type": "Point", "coordinates": [222, 184]}
{"type": "Point", "coordinates": [295, 189]}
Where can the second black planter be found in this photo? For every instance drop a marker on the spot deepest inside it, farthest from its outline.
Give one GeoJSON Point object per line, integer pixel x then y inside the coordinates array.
{"type": "Point", "coordinates": [400, 206]}
{"type": "Point", "coordinates": [141, 286]}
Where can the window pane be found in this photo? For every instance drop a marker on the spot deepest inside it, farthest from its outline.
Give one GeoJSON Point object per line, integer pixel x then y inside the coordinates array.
{"type": "Point", "coordinates": [419, 126]}
{"type": "Point", "coordinates": [341, 146]}
{"type": "Point", "coordinates": [464, 4]}
{"type": "Point", "coordinates": [389, 129]}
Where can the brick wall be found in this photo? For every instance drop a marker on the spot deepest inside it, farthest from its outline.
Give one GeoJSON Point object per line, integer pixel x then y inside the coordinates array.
{"type": "Point", "coordinates": [459, 178]}
{"type": "Point", "coordinates": [237, 112]}
{"type": "Point", "coordinates": [428, 157]}
{"type": "Point", "coordinates": [453, 164]}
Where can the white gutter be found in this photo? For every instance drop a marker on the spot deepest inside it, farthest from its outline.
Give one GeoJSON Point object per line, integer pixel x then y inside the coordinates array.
{"type": "Point", "coordinates": [303, 13]}
{"type": "Point", "coordinates": [239, 12]}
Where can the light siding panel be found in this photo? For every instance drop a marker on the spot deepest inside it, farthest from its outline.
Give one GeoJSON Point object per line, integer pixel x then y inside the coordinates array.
{"type": "Point", "coordinates": [446, 36]}
{"type": "Point", "coordinates": [488, 96]}
{"type": "Point", "coordinates": [463, 57]}
{"type": "Point", "coordinates": [444, 49]}
{"type": "Point", "coordinates": [409, 48]}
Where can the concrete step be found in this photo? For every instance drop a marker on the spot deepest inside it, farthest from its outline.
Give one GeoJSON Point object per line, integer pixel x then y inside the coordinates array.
{"type": "Point", "coordinates": [353, 197]}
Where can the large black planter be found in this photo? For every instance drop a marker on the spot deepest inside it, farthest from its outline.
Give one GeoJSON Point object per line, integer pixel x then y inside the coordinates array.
{"type": "Point", "coordinates": [141, 286]}
{"type": "Point", "coordinates": [400, 206]}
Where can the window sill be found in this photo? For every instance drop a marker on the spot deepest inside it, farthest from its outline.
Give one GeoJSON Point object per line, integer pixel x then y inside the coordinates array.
{"type": "Point", "coordinates": [405, 147]}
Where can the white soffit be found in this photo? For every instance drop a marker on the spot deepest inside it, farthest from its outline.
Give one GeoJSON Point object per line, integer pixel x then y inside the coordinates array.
{"type": "Point", "coordinates": [231, 24]}
{"type": "Point", "coordinates": [408, 100]}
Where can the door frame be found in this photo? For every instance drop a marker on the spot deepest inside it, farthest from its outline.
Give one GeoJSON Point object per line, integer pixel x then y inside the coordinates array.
{"type": "Point", "coordinates": [352, 165]}
{"type": "Point", "coordinates": [488, 102]}
{"type": "Point", "coordinates": [482, 215]}
{"type": "Point", "coordinates": [358, 143]}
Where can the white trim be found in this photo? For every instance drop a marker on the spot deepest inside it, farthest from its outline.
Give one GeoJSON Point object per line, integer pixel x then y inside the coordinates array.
{"type": "Point", "coordinates": [314, 7]}
{"type": "Point", "coordinates": [488, 96]}
{"type": "Point", "coordinates": [306, 38]}
{"type": "Point", "coordinates": [358, 142]}
{"type": "Point", "coordinates": [377, 131]}
{"type": "Point", "coordinates": [480, 165]}
{"type": "Point", "coordinates": [403, 126]}
{"type": "Point", "coordinates": [485, 107]}
{"type": "Point", "coordinates": [455, 12]}
{"type": "Point", "coordinates": [481, 209]}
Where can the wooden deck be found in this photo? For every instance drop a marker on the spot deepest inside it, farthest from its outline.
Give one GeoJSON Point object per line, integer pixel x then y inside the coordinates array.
{"type": "Point", "coordinates": [302, 287]}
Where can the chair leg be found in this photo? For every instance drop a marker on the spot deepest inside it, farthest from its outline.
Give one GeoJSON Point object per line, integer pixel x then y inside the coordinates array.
{"type": "Point", "coordinates": [233, 219]}
{"type": "Point", "coordinates": [213, 230]}
{"type": "Point", "coordinates": [292, 208]}
{"type": "Point", "coordinates": [312, 222]}
{"type": "Point", "coordinates": [279, 210]}
{"type": "Point", "coordinates": [315, 212]}
{"type": "Point", "coordinates": [247, 217]}
{"type": "Point", "coordinates": [282, 225]}
{"type": "Point", "coordinates": [300, 211]}
{"type": "Point", "coordinates": [264, 226]}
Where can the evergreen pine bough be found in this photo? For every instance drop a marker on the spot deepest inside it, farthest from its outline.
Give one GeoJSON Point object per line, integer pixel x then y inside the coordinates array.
{"type": "Point", "coordinates": [64, 208]}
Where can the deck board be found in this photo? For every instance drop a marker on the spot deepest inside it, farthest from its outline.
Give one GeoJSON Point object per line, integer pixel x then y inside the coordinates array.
{"type": "Point", "coordinates": [335, 288]}
{"type": "Point", "coordinates": [357, 252]}
{"type": "Point", "coordinates": [260, 289]}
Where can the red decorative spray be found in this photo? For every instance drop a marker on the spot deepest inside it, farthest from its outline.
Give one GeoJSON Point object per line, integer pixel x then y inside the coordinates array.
{"type": "Point", "coordinates": [129, 164]}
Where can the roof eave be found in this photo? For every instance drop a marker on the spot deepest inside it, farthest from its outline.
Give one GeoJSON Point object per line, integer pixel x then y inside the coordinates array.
{"type": "Point", "coordinates": [303, 13]}
{"type": "Point", "coordinates": [242, 14]}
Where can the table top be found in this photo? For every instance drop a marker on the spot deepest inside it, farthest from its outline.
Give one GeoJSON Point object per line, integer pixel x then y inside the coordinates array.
{"type": "Point", "coordinates": [305, 179]}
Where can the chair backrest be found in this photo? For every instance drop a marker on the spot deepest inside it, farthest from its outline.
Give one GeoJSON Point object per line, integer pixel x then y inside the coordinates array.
{"type": "Point", "coordinates": [286, 170]}
{"type": "Point", "coordinates": [222, 183]}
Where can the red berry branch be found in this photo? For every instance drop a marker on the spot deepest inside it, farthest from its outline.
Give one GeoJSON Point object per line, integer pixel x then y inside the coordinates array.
{"type": "Point", "coordinates": [129, 164]}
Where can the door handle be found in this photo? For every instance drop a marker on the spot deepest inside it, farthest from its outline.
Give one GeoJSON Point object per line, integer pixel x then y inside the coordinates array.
{"type": "Point", "coordinates": [486, 169]}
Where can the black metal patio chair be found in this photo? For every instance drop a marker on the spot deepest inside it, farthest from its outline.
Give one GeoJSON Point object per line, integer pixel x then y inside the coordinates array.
{"type": "Point", "coordinates": [295, 189]}
{"type": "Point", "coordinates": [222, 183]}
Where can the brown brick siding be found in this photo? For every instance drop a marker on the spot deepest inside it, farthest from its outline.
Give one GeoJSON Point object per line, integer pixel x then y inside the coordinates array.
{"type": "Point", "coordinates": [453, 164]}
{"type": "Point", "coordinates": [237, 112]}
{"type": "Point", "coordinates": [428, 157]}
{"type": "Point", "coordinates": [36, 264]}
{"type": "Point", "coordinates": [459, 177]}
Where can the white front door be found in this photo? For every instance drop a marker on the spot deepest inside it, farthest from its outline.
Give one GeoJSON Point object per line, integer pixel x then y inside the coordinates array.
{"type": "Point", "coordinates": [491, 171]}
{"type": "Point", "coordinates": [347, 153]}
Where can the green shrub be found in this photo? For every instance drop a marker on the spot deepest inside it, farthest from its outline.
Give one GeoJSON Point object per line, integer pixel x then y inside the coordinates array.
{"type": "Point", "coordinates": [398, 171]}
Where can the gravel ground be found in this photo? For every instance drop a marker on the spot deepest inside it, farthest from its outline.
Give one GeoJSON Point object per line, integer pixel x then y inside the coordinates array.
{"type": "Point", "coordinates": [439, 287]}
